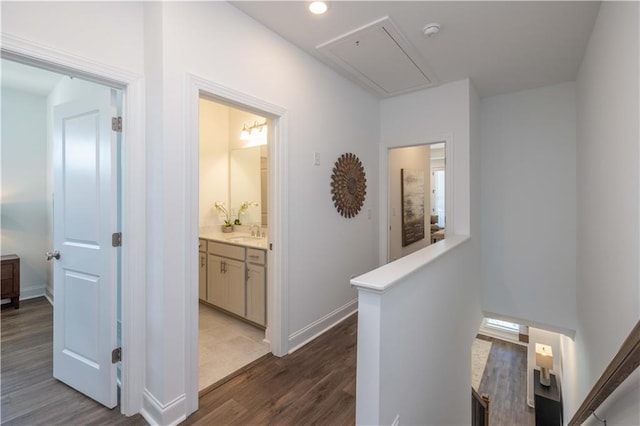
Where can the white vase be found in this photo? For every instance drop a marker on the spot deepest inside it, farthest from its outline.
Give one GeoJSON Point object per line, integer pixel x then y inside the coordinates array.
{"type": "Point", "coordinates": [227, 229]}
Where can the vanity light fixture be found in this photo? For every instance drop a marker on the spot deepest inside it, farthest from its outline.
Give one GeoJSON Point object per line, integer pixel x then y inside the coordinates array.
{"type": "Point", "coordinates": [256, 131]}
{"type": "Point", "coordinates": [244, 134]}
{"type": "Point", "coordinates": [318, 7]}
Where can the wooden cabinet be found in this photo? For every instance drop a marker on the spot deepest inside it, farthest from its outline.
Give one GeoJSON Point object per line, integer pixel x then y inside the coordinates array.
{"type": "Point", "coordinates": [235, 274]}
{"type": "Point", "coordinates": [11, 279]}
{"type": "Point", "coordinates": [548, 401]}
{"type": "Point", "coordinates": [226, 277]}
{"type": "Point", "coordinates": [202, 269]}
{"type": "Point", "coordinates": [235, 280]}
{"type": "Point", "coordinates": [225, 284]}
{"type": "Point", "coordinates": [202, 276]}
{"type": "Point", "coordinates": [256, 294]}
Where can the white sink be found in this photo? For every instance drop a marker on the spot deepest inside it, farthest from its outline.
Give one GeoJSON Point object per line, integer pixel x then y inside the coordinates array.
{"type": "Point", "coordinates": [243, 239]}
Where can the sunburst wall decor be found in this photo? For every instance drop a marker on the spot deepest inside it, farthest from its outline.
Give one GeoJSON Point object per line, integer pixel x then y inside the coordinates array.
{"type": "Point", "coordinates": [348, 185]}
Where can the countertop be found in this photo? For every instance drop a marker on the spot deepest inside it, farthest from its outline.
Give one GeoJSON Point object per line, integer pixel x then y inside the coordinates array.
{"type": "Point", "coordinates": [236, 238]}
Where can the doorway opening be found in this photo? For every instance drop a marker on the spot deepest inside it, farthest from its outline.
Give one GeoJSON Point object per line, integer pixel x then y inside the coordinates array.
{"type": "Point", "coordinates": [39, 162]}
{"type": "Point", "coordinates": [276, 234]}
{"type": "Point", "coordinates": [417, 198]}
{"type": "Point", "coordinates": [233, 223]}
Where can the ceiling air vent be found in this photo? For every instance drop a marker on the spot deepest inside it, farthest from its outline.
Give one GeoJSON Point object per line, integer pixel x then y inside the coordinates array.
{"type": "Point", "coordinates": [380, 58]}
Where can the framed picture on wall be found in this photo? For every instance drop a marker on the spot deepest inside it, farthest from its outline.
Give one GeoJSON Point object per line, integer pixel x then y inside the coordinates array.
{"type": "Point", "coordinates": [412, 194]}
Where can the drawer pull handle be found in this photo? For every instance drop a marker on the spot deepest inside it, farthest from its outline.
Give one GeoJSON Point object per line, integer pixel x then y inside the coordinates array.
{"type": "Point", "coordinates": [253, 256]}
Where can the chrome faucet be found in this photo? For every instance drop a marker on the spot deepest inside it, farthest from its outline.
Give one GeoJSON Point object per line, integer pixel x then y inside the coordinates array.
{"type": "Point", "coordinates": [255, 231]}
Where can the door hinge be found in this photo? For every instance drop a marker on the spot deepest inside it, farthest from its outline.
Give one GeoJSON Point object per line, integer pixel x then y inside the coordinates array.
{"type": "Point", "coordinates": [116, 124]}
{"type": "Point", "coordinates": [116, 239]}
{"type": "Point", "coordinates": [116, 355]}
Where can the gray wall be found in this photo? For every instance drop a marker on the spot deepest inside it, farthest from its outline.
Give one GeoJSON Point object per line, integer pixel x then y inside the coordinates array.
{"type": "Point", "coordinates": [529, 205]}
{"type": "Point", "coordinates": [25, 228]}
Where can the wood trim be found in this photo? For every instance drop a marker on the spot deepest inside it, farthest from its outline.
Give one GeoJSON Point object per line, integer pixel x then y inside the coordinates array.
{"type": "Point", "coordinates": [623, 364]}
{"type": "Point", "coordinates": [484, 403]}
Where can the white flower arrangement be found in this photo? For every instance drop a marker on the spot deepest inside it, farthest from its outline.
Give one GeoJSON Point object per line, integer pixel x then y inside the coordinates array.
{"type": "Point", "coordinates": [243, 209]}
{"type": "Point", "coordinates": [222, 210]}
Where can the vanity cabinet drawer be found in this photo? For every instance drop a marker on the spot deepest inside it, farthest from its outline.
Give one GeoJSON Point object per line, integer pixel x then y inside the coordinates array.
{"type": "Point", "coordinates": [225, 250]}
{"type": "Point", "coordinates": [256, 256]}
{"type": "Point", "coordinates": [202, 245]}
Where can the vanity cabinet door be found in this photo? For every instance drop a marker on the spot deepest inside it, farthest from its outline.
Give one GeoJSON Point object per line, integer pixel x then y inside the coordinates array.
{"type": "Point", "coordinates": [216, 282]}
{"type": "Point", "coordinates": [256, 294]}
{"type": "Point", "coordinates": [202, 276]}
{"type": "Point", "coordinates": [225, 284]}
{"type": "Point", "coordinates": [235, 275]}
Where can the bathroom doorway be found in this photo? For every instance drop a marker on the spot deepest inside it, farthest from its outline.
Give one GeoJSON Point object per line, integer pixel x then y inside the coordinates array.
{"type": "Point", "coordinates": [233, 221]}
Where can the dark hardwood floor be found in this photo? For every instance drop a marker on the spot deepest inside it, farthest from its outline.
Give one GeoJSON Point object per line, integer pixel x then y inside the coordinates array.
{"type": "Point", "coordinates": [314, 385]}
{"type": "Point", "coordinates": [505, 381]}
{"type": "Point", "coordinates": [30, 394]}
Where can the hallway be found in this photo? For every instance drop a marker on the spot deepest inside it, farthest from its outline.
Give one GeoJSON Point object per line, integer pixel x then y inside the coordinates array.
{"type": "Point", "coordinates": [505, 381]}
{"type": "Point", "coordinates": [30, 394]}
{"type": "Point", "coordinates": [315, 384]}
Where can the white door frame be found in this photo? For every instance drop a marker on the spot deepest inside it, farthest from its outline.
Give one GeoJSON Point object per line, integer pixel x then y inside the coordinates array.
{"type": "Point", "coordinates": [133, 196]}
{"type": "Point", "coordinates": [383, 253]}
{"type": "Point", "coordinates": [277, 279]}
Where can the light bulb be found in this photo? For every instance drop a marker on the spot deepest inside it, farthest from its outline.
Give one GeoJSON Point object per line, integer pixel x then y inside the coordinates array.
{"type": "Point", "coordinates": [318, 7]}
{"type": "Point", "coordinates": [244, 134]}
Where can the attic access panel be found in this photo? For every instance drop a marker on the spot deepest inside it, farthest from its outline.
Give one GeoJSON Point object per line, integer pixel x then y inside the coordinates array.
{"type": "Point", "coordinates": [379, 57]}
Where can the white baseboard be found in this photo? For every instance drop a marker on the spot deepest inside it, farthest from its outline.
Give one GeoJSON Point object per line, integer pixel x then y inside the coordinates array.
{"type": "Point", "coordinates": [318, 327]}
{"type": "Point", "coordinates": [31, 292]}
{"type": "Point", "coordinates": [49, 294]}
{"type": "Point", "coordinates": [169, 414]}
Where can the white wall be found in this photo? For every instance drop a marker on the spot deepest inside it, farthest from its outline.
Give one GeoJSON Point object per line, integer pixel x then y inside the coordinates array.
{"type": "Point", "coordinates": [412, 340]}
{"type": "Point", "coordinates": [413, 337]}
{"type": "Point", "coordinates": [349, 117]}
{"type": "Point", "coordinates": [608, 276]}
{"type": "Point", "coordinates": [214, 161]}
{"type": "Point", "coordinates": [416, 158]}
{"type": "Point", "coordinates": [529, 205]}
{"type": "Point", "coordinates": [94, 30]}
{"type": "Point", "coordinates": [429, 116]}
{"type": "Point", "coordinates": [25, 228]}
{"type": "Point", "coordinates": [333, 248]}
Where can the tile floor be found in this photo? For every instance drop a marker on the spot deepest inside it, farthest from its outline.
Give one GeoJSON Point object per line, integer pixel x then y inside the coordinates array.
{"type": "Point", "coordinates": [225, 345]}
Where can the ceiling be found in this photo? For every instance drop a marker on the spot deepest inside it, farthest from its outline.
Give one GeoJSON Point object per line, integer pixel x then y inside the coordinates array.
{"type": "Point", "coordinates": [502, 46]}
{"type": "Point", "coordinates": [28, 79]}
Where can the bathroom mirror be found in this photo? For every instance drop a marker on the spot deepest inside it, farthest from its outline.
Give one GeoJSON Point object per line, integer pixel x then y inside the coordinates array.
{"type": "Point", "coordinates": [248, 182]}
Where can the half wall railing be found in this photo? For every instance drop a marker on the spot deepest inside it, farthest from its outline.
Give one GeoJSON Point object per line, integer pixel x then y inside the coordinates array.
{"type": "Point", "coordinates": [479, 409]}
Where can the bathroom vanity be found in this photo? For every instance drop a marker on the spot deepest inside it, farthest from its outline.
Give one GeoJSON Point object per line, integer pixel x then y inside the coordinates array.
{"type": "Point", "coordinates": [232, 274]}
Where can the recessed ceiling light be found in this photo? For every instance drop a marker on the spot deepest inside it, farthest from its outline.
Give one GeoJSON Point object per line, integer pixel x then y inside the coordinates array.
{"type": "Point", "coordinates": [318, 7]}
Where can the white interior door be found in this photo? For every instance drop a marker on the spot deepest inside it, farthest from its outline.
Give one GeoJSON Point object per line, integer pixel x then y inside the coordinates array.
{"type": "Point", "coordinates": [85, 273]}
